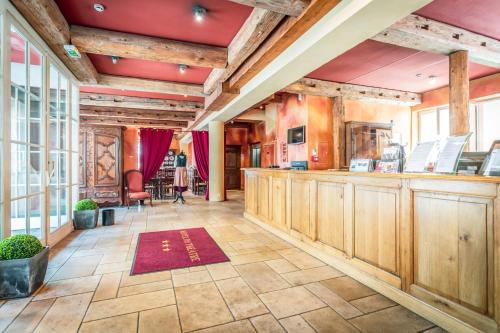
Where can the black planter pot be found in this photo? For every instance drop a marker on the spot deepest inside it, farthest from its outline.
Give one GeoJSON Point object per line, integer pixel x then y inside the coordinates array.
{"type": "Point", "coordinates": [22, 277]}
{"type": "Point", "coordinates": [85, 219]}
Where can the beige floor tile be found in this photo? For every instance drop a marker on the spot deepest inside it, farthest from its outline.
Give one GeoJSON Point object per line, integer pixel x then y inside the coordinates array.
{"type": "Point", "coordinates": [348, 288]}
{"type": "Point", "coordinates": [296, 324]}
{"type": "Point", "coordinates": [222, 271]}
{"type": "Point", "coordinates": [109, 258]}
{"type": "Point", "coordinates": [119, 324]}
{"type": "Point", "coordinates": [130, 280]}
{"type": "Point", "coordinates": [191, 278]}
{"type": "Point", "coordinates": [108, 286]}
{"type": "Point", "coordinates": [198, 268]}
{"type": "Point", "coordinates": [128, 304]}
{"type": "Point", "coordinates": [254, 257]}
{"type": "Point", "coordinates": [144, 288]}
{"type": "Point", "coordinates": [242, 326]}
{"type": "Point", "coordinates": [372, 303]}
{"type": "Point", "coordinates": [10, 310]}
{"type": "Point", "coordinates": [291, 301]}
{"type": "Point", "coordinates": [300, 259]}
{"type": "Point", "coordinates": [201, 306]}
{"type": "Point", "coordinates": [326, 320]}
{"type": "Point", "coordinates": [77, 267]}
{"type": "Point", "coordinates": [311, 275]}
{"type": "Point", "coordinates": [402, 320]}
{"type": "Point", "coordinates": [68, 287]}
{"type": "Point", "coordinates": [159, 320]}
{"type": "Point", "coordinates": [261, 277]}
{"type": "Point", "coordinates": [282, 266]}
{"type": "Point", "coordinates": [65, 315]}
{"type": "Point", "coordinates": [113, 267]}
{"type": "Point", "coordinates": [266, 324]}
{"type": "Point", "coordinates": [241, 300]}
{"type": "Point", "coordinates": [341, 306]}
{"type": "Point", "coordinates": [30, 317]}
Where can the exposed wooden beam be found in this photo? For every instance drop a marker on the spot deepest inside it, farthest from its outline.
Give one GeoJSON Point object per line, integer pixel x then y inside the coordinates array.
{"type": "Point", "coordinates": [286, 7]}
{"type": "Point", "coordinates": [254, 31]}
{"type": "Point", "coordinates": [114, 43]}
{"type": "Point", "coordinates": [97, 111]}
{"type": "Point", "coordinates": [350, 91]}
{"type": "Point", "coordinates": [459, 93]}
{"type": "Point", "coordinates": [118, 101]}
{"type": "Point", "coordinates": [423, 34]}
{"type": "Point", "coordinates": [48, 21]}
{"type": "Point", "coordinates": [167, 87]}
{"type": "Point", "coordinates": [338, 132]}
{"type": "Point", "coordinates": [220, 97]}
{"type": "Point", "coordinates": [132, 122]}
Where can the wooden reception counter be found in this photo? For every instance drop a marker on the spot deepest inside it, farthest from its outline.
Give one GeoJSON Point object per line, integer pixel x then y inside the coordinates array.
{"type": "Point", "coordinates": [429, 242]}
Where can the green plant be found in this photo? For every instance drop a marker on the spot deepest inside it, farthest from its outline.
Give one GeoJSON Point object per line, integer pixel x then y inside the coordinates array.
{"type": "Point", "coordinates": [20, 247]}
{"type": "Point", "coordinates": [86, 204]}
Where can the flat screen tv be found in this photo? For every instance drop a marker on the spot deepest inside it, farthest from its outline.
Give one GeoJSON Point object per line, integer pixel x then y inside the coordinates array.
{"type": "Point", "coordinates": [296, 135]}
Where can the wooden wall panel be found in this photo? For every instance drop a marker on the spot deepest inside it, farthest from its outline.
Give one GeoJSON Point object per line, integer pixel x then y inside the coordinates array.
{"type": "Point", "coordinates": [263, 198]}
{"type": "Point", "coordinates": [251, 193]}
{"type": "Point", "coordinates": [330, 224]}
{"type": "Point", "coordinates": [301, 206]}
{"type": "Point", "coordinates": [278, 202]}
{"type": "Point", "coordinates": [376, 216]}
{"type": "Point", "coordinates": [451, 251]}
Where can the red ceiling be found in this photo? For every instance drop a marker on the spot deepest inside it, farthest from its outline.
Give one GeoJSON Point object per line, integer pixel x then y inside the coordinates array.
{"type": "Point", "coordinates": [123, 92]}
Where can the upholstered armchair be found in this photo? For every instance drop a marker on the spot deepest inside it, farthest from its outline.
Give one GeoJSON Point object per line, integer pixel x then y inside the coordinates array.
{"type": "Point", "coordinates": [134, 187]}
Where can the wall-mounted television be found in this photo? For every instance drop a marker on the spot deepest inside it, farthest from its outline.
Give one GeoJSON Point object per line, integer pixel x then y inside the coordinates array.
{"type": "Point", "coordinates": [296, 135]}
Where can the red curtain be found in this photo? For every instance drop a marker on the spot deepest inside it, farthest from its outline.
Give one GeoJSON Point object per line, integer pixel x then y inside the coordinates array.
{"type": "Point", "coordinates": [154, 146]}
{"type": "Point", "coordinates": [200, 147]}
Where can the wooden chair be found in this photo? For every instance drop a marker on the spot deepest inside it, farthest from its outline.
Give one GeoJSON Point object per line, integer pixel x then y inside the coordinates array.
{"type": "Point", "coordinates": [134, 187]}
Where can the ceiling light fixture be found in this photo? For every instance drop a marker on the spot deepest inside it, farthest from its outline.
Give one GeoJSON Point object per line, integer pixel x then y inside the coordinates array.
{"type": "Point", "coordinates": [432, 79]}
{"type": "Point", "coordinates": [114, 59]}
{"type": "Point", "coordinates": [199, 13]}
{"type": "Point", "coordinates": [99, 8]}
{"type": "Point", "coordinates": [182, 68]}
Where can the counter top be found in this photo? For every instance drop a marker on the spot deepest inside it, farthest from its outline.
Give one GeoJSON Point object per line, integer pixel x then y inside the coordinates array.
{"type": "Point", "coordinates": [475, 178]}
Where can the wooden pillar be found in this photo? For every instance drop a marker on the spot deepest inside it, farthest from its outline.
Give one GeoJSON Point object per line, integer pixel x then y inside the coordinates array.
{"type": "Point", "coordinates": [338, 132]}
{"type": "Point", "coordinates": [216, 160]}
{"type": "Point", "coordinates": [459, 93]}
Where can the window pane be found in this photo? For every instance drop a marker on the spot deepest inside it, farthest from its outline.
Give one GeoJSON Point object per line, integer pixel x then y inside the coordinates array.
{"type": "Point", "coordinates": [63, 168]}
{"type": "Point", "coordinates": [18, 216]}
{"type": "Point", "coordinates": [35, 170]}
{"type": "Point", "coordinates": [35, 72]}
{"type": "Point", "coordinates": [428, 126]}
{"type": "Point", "coordinates": [54, 85]}
{"type": "Point", "coordinates": [17, 59]}
{"type": "Point", "coordinates": [53, 215]}
{"type": "Point", "coordinates": [444, 123]}
{"type": "Point", "coordinates": [18, 170]}
{"type": "Point", "coordinates": [63, 136]}
{"type": "Point", "coordinates": [63, 96]}
{"type": "Point", "coordinates": [75, 164]}
{"type": "Point", "coordinates": [36, 204]}
{"type": "Point", "coordinates": [63, 202]}
{"type": "Point", "coordinates": [489, 124]}
{"type": "Point", "coordinates": [35, 120]}
{"type": "Point", "coordinates": [53, 168]}
{"type": "Point", "coordinates": [74, 196]}
{"type": "Point", "coordinates": [18, 114]}
{"type": "Point", "coordinates": [52, 133]}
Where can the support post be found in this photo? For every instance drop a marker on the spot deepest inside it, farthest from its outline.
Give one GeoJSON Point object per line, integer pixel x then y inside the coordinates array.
{"type": "Point", "coordinates": [338, 132]}
{"type": "Point", "coordinates": [216, 160]}
{"type": "Point", "coordinates": [459, 93]}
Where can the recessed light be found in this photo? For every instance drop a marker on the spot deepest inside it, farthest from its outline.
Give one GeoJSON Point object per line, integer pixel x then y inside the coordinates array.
{"type": "Point", "coordinates": [114, 59]}
{"type": "Point", "coordinates": [99, 7]}
{"type": "Point", "coordinates": [182, 68]}
{"type": "Point", "coordinates": [199, 13]}
{"type": "Point", "coordinates": [419, 75]}
{"type": "Point", "coordinates": [432, 79]}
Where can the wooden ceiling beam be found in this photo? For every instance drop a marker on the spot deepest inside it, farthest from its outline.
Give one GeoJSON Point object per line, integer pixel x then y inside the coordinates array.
{"type": "Point", "coordinates": [166, 87]}
{"type": "Point", "coordinates": [125, 45]}
{"type": "Point", "coordinates": [136, 113]}
{"type": "Point", "coordinates": [48, 21]}
{"type": "Point", "coordinates": [286, 7]}
{"type": "Point", "coordinates": [423, 34]}
{"type": "Point", "coordinates": [253, 32]}
{"type": "Point", "coordinates": [119, 101]}
{"type": "Point", "coordinates": [220, 97]}
{"type": "Point", "coordinates": [132, 122]}
{"type": "Point", "coordinates": [315, 87]}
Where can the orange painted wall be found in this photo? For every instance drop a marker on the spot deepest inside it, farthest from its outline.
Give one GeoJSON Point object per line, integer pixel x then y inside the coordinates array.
{"type": "Point", "coordinates": [189, 153]}
{"type": "Point", "coordinates": [292, 113]}
{"type": "Point", "coordinates": [320, 134]}
{"type": "Point", "coordinates": [130, 149]}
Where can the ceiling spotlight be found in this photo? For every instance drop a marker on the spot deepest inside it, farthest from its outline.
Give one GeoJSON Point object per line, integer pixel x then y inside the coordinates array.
{"type": "Point", "coordinates": [99, 8]}
{"type": "Point", "coordinates": [300, 97]}
{"type": "Point", "coordinates": [185, 95]}
{"type": "Point", "coordinates": [114, 59]}
{"type": "Point", "coordinates": [199, 13]}
{"type": "Point", "coordinates": [419, 75]}
{"type": "Point", "coordinates": [182, 68]}
{"type": "Point", "coordinates": [432, 79]}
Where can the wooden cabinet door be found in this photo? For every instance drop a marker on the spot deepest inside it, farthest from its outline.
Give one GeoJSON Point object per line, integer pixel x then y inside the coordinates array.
{"type": "Point", "coordinates": [278, 202]}
{"type": "Point", "coordinates": [330, 215]}
{"type": "Point", "coordinates": [302, 194]}
{"type": "Point", "coordinates": [263, 198]}
{"type": "Point", "coordinates": [251, 193]}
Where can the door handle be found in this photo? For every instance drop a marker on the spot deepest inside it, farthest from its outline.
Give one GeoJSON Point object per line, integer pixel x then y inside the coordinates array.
{"type": "Point", "coordinates": [53, 169]}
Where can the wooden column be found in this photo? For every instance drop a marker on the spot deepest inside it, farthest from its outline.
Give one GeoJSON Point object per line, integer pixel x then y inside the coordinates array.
{"type": "Point", "coordinates": [338, 133]}
{"type": "Point", "coordinates": [216, 160]}
{"type": "Point", "coordinates": [459, 93]}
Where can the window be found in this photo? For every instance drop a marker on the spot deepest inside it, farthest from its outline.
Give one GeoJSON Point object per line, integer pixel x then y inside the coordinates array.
{"type": "Point", "coordinates": [487, 123]}
{"type": "Point", "coordinates": [433, 124]}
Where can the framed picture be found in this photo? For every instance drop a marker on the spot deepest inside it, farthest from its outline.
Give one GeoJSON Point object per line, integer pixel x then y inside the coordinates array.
{"type": "Point", "coordinates": [491, 164]}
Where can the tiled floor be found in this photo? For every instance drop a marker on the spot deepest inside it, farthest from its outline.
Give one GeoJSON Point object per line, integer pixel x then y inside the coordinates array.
{"type": "Point", "coordinates": [269, 286]}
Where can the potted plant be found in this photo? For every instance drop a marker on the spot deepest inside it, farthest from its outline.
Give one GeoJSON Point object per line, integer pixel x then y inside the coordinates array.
{"type": "Point", "coordinates": [86, 214]}
{"type": "Point", "coordinates": [23, 264]}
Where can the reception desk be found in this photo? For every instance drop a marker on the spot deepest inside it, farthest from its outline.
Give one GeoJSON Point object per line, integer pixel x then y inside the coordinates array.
{"type": "Point", "coordinates": [429, 242]}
